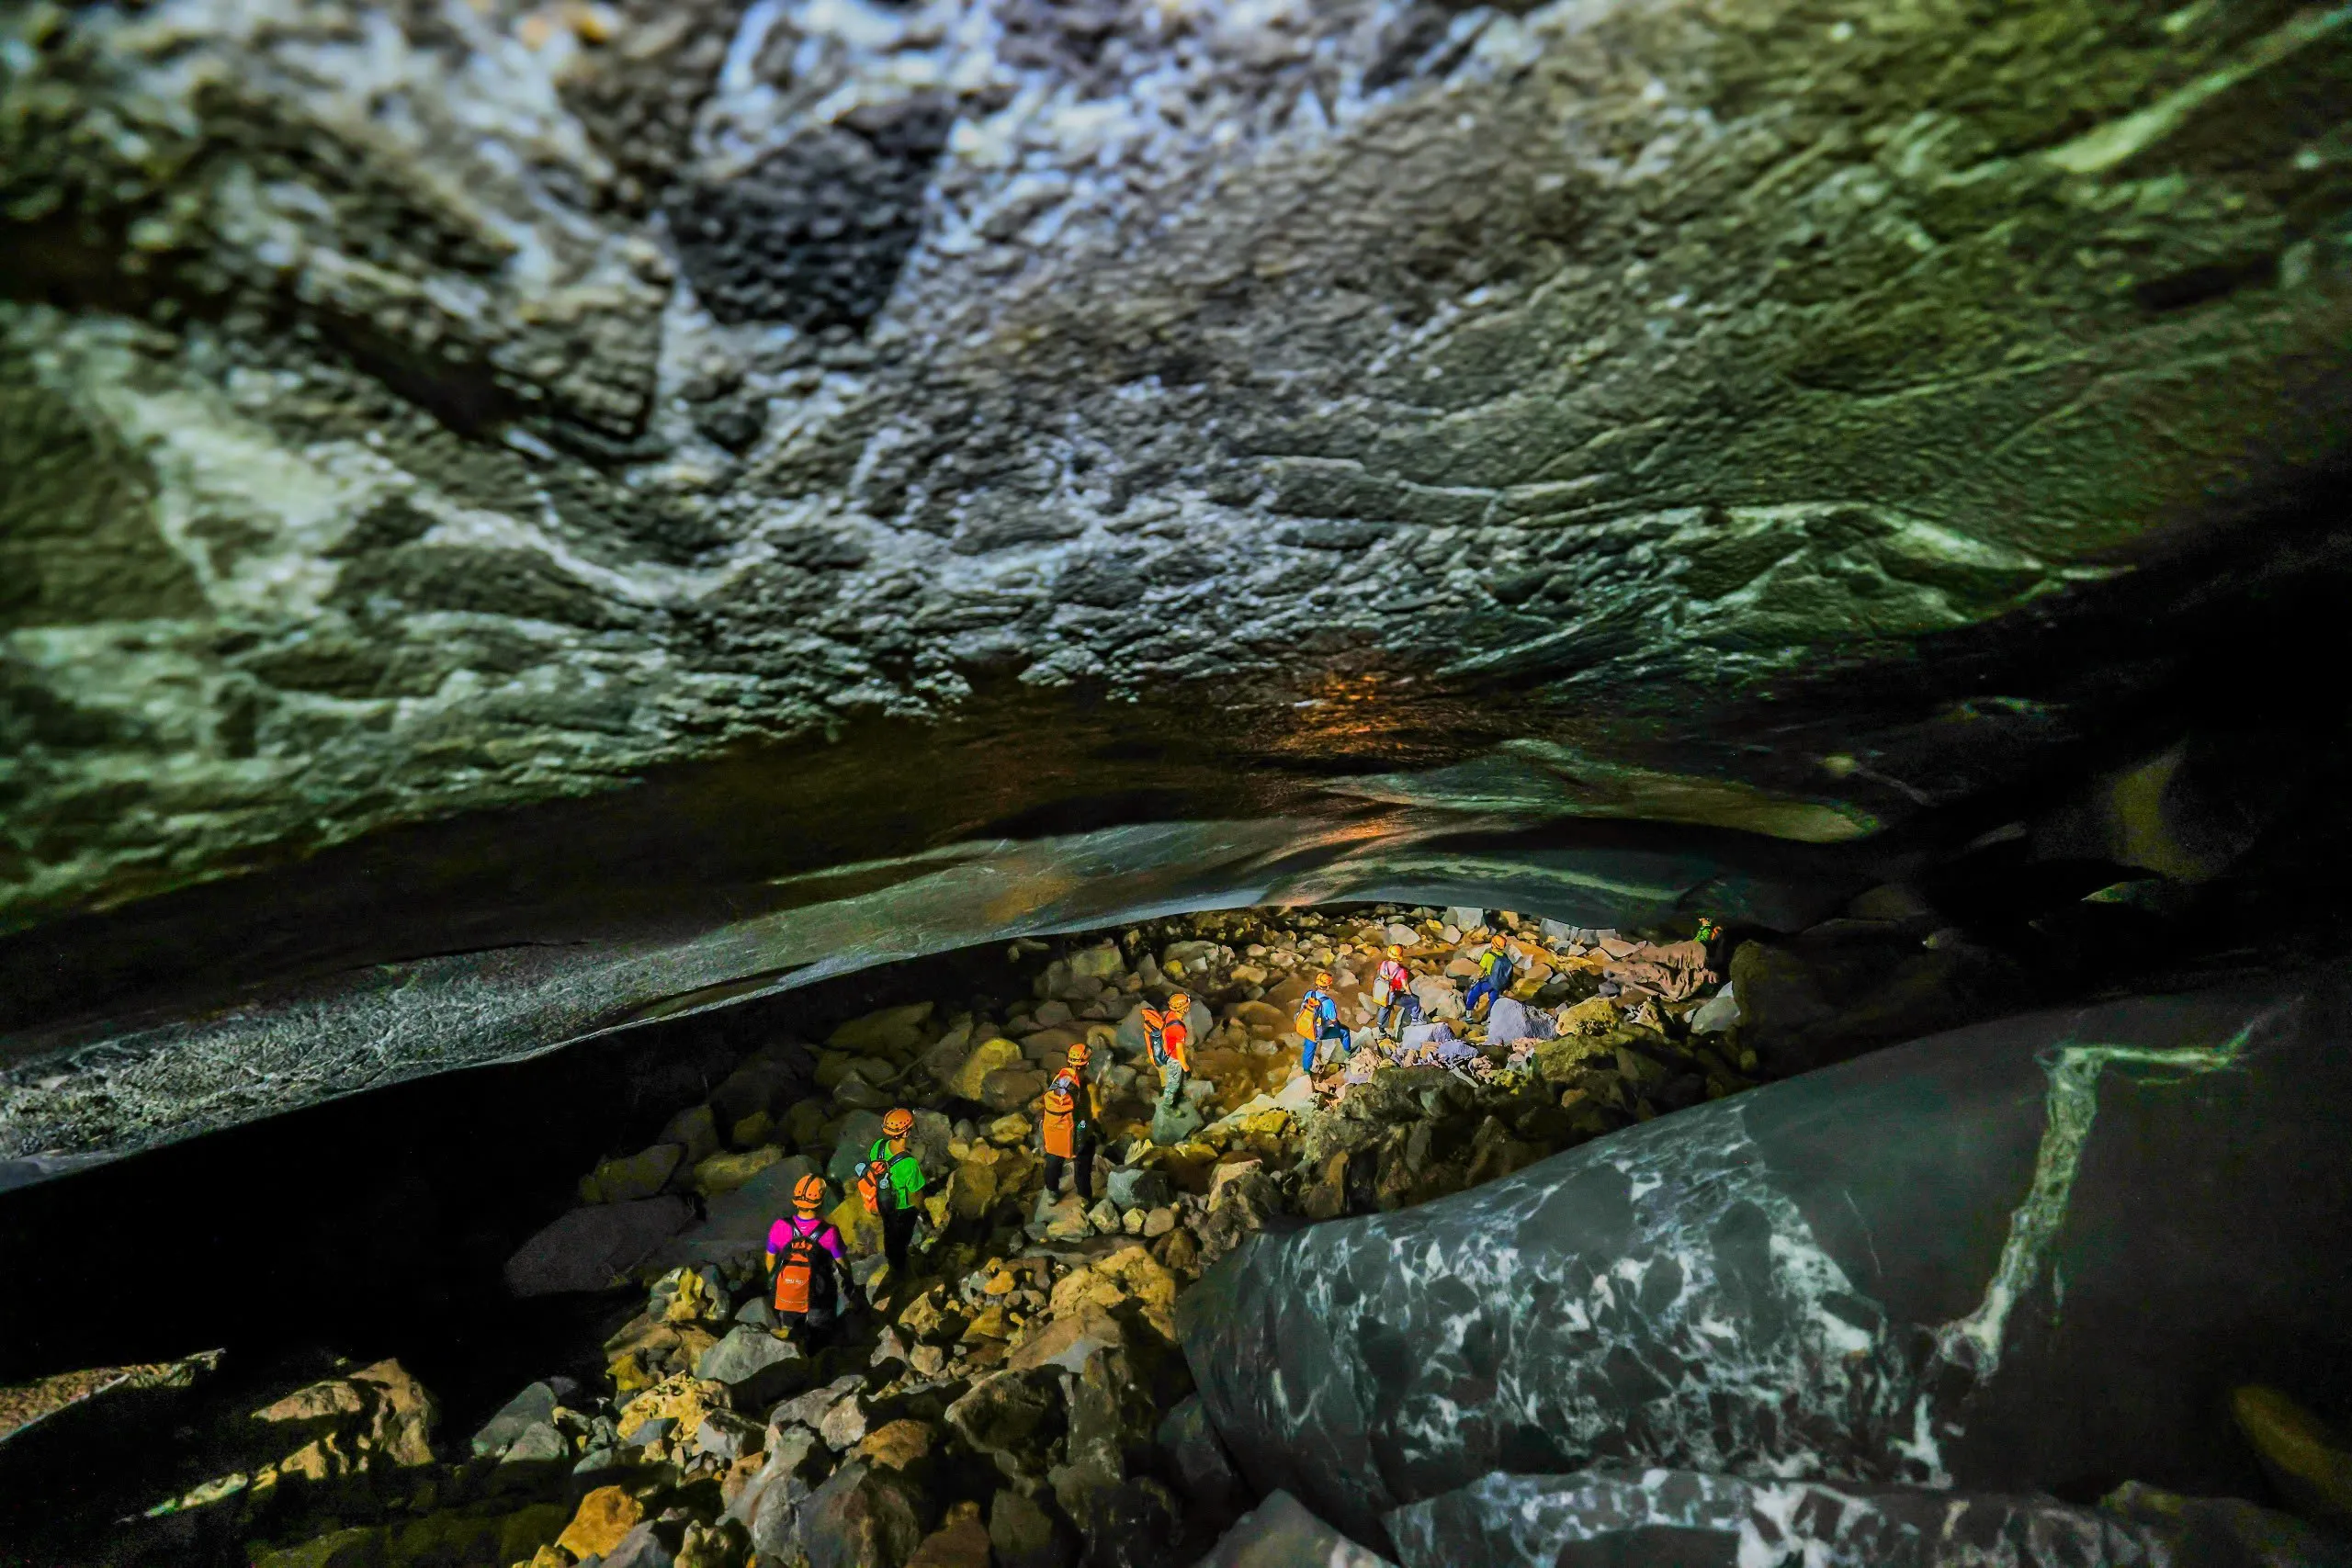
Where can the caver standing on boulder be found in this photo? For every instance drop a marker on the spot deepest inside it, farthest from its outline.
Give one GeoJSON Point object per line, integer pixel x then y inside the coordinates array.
{"type": "Point", "coordinates": [1317, 1021]}
{"type": "Point", "coordinates": [807, 1265]}
{"type": "Point", "coordinates": [1494, 968]}
{"type": "Point", "coordinates": [1072, 1111]}
{"type": "Point", "coordinates": [892, 1185]}
{"type": "Point", "coordinates": [1392, 993]}
{"type": "Point", "coordinates": [1169, 1036]}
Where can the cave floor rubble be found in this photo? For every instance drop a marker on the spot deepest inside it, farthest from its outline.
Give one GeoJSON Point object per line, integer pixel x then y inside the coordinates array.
{"type": "Point", "coordinates": [1020, 1397]}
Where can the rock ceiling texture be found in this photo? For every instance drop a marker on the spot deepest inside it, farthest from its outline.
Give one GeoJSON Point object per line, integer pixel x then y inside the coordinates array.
{"type": "Point", "coordinates": [809, 433]}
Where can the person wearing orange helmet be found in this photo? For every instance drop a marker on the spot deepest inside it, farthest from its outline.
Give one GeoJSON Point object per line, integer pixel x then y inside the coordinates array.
{"type": "Point", "coordinates": [892, 1184]}
{"type": "Point", "coordinates": [1169, 1035]}
{"type": "Point", "coordinates": [1392, 992]}
{"type": "Point", "coordinates": [1317, 1021]}
{"type": "Point", "coordinates": [1495, 969]}
{"type": "Point", "coordinates": [1067, 1131]}
{"type": "Point", "coordinates": [807, 1265]}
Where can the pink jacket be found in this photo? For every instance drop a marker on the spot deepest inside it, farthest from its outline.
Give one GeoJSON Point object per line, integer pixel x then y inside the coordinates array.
{"type": "Point", "coordinates": [781, 1235]}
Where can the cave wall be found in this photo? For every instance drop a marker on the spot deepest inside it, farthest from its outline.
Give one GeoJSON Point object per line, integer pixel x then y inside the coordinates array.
{"type": "Point", "coordinates": [415, 410]}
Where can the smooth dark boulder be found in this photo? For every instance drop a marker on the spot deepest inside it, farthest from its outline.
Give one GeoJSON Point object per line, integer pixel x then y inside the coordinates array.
{"type": "Point", "coordinates": [589, 1248]}
{"type": "Point", "coordinates": [2011, 1258]}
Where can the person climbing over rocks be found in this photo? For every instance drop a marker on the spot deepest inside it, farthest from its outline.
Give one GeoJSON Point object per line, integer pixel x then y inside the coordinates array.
{"type": "Point", "coordinates": [1169, 1036]}
{"type": "Point", "coordinates": [1317, 1021]}
{"type": "Point", "coordinates": [1072, 1111]}
{"type": "Point", "coordinates": [1494, 968]}
{"type": "Point", "coordinates": [892, 1185]}
{"type": "Point", "coordinates": [1392, 993]}
{"type": "Point", "coordinates": [807, 1267]}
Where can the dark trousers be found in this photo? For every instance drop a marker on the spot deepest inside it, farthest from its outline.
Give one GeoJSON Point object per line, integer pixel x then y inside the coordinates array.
{"type": "Point", "coordinates": [1404, 1009]}
{"type": "Point", "coordinates": [897, 1232]}
{"type": "Point", "coordinates": [1082, 1163]}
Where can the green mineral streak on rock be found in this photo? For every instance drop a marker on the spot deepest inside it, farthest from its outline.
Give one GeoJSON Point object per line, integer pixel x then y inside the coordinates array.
{"type": "Point", "coordinates": [1975, 1341]}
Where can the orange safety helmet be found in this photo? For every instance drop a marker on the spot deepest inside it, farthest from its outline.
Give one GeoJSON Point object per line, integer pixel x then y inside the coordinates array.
{"type": "Point", "coordinates": [1179, 1005]}
{"type": "Point", "coordinates": [809, 1192]}
{"type": "Point", "coordinates": [1395, 951]}
{"type": "Point", "coordinates": [1323, 977]}
{"type": "Point", "coordinates": [898, 1123]}
{"type": "Point", "coordinates": [1080, 1054]}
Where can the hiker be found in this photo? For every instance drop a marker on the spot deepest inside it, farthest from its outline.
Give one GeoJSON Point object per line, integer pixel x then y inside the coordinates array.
{"type": "Point", "coordinates": [807, 1267]}
{"type": "Point", "coordinates": [1317, 1021]}
{"type": "Point", "coordinates": [1169, 1036]}
{"type": "Point", "coordinates": [1392, 993]}
{"type": "Point", "coordinates": [1494, 974]}
{"type": "Point", "coordinates": [892, 1185]}
{"type": "Point", "coordinates": [1072, 1110]}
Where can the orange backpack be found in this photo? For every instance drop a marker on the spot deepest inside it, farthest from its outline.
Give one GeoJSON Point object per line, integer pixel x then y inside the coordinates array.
{"type": "Point", "coordinates": [1061, 1117]}
{"type": "Point", "coordinates": [795, 1272]}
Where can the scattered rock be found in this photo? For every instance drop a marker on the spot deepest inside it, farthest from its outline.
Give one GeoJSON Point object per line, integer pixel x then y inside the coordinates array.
{"type": "Point", "coordinates": [1022, 1535]}
{"type": "Point", "coordinates": [961, 1542]}
{"type": "Point", "coordinates": [991, 1056]}
{"type": "Point", "coordinates": [1014, 1418]}
{"type": "Point", "coordinates": [726, 1172]}
{"type": "Point", "coordinates": [863, 1517]}
{"type": "Point", "coordinates": [754, 1362]}
{"type": "Point", "coordinates": [604, 1518]}
{"type": "Point", "coordinates": [695, 1131]}
{"type": "Point", "coordinates": [534, 1407]}
{"type": "Point", "coordinates": [632, 1176]}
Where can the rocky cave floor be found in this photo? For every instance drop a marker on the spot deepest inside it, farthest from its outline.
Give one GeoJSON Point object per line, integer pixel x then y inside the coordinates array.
{"type": "Point", "coordinates": [1020, 1399]}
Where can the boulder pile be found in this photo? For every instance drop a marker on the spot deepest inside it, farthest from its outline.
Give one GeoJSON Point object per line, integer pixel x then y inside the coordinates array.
{"type": "Point", "coordinates": [1019, 1398]}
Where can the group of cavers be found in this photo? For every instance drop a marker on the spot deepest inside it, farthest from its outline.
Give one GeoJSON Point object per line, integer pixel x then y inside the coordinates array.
{"type": "Point", "coordinates": [807, 1264]}
{"type": "Point", "coordinates": [1392, 998]}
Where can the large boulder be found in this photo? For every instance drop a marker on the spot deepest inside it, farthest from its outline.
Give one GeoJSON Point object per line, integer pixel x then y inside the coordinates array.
{"type": "Point", "coordinates": [1281, 1533]}
{"type": "Point", "coordinates": [1857, 1272]}
{"type": "Point", "coordinates": [864, 1515]}
{"type": "Point", "coordinates": [591, 1248]}
{"type": "Point", "coordinates": [1666, 1519]}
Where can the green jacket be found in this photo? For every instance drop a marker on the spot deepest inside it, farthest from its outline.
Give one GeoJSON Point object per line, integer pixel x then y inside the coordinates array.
{"type": "Point", "coordinates": [904, 1177]}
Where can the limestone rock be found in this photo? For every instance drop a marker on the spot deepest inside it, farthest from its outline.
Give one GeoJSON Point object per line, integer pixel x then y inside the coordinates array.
{"type": "Point", "coordinates": [1009, 1088]}
{"type": "Point", "coordinates": [863, 1517]}
{"type": "Point", "coordinates": [696, 1132]}
{"type": "Point", "coordinates": [604, 1518]}
{"type": "Point", "coordinates": [535, 1404]}
{"type": "Point", "coordinates": [725, 1172]}
{"type": "Point", "coordinates": [589, 1248]}
{"type": "Point", "coordinates": [1023, 1535]}
{"type": "Point", "coordinates": [628, 1179]}
{"type": "Point", "coordinates": [990, 1055]}
{"type": "Point", "coordinates": [749, 1359]}
{"type": "Point", "coordinates": [1012, 1418]}
{"type": "Point", "coordinates": [2311, 1465]}
{"type": "Point", "coordinates": [893, 1031]}
{"type": "Point", "coordinates": [1281, 1533]}
{"type": "Point", "coordinates": [1197, 1460]}
{"type": "Point", "coordinates": [962, 1541]}
{"type": "Point", "coordinates": [1659, 1517]}
{"type": "Point", "coordinates": [379, 1415]}
{"type": "Point", "coordinates": [1750, 1197]}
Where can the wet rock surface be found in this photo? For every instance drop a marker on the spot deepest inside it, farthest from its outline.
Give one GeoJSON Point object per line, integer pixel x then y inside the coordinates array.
{"type": "Point", "coordinates": [1812, 1280]}
{"type": "Point", "coordinates": [1535, 418]}
{"type": "Point", "coordinates": [1786, 1320]}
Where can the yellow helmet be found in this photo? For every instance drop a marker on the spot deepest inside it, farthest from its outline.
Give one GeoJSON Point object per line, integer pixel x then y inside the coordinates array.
{"type": "Point", "coordinates": [898, 1123]}
{"type": "Point", "coordinates": [1395, 951]}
